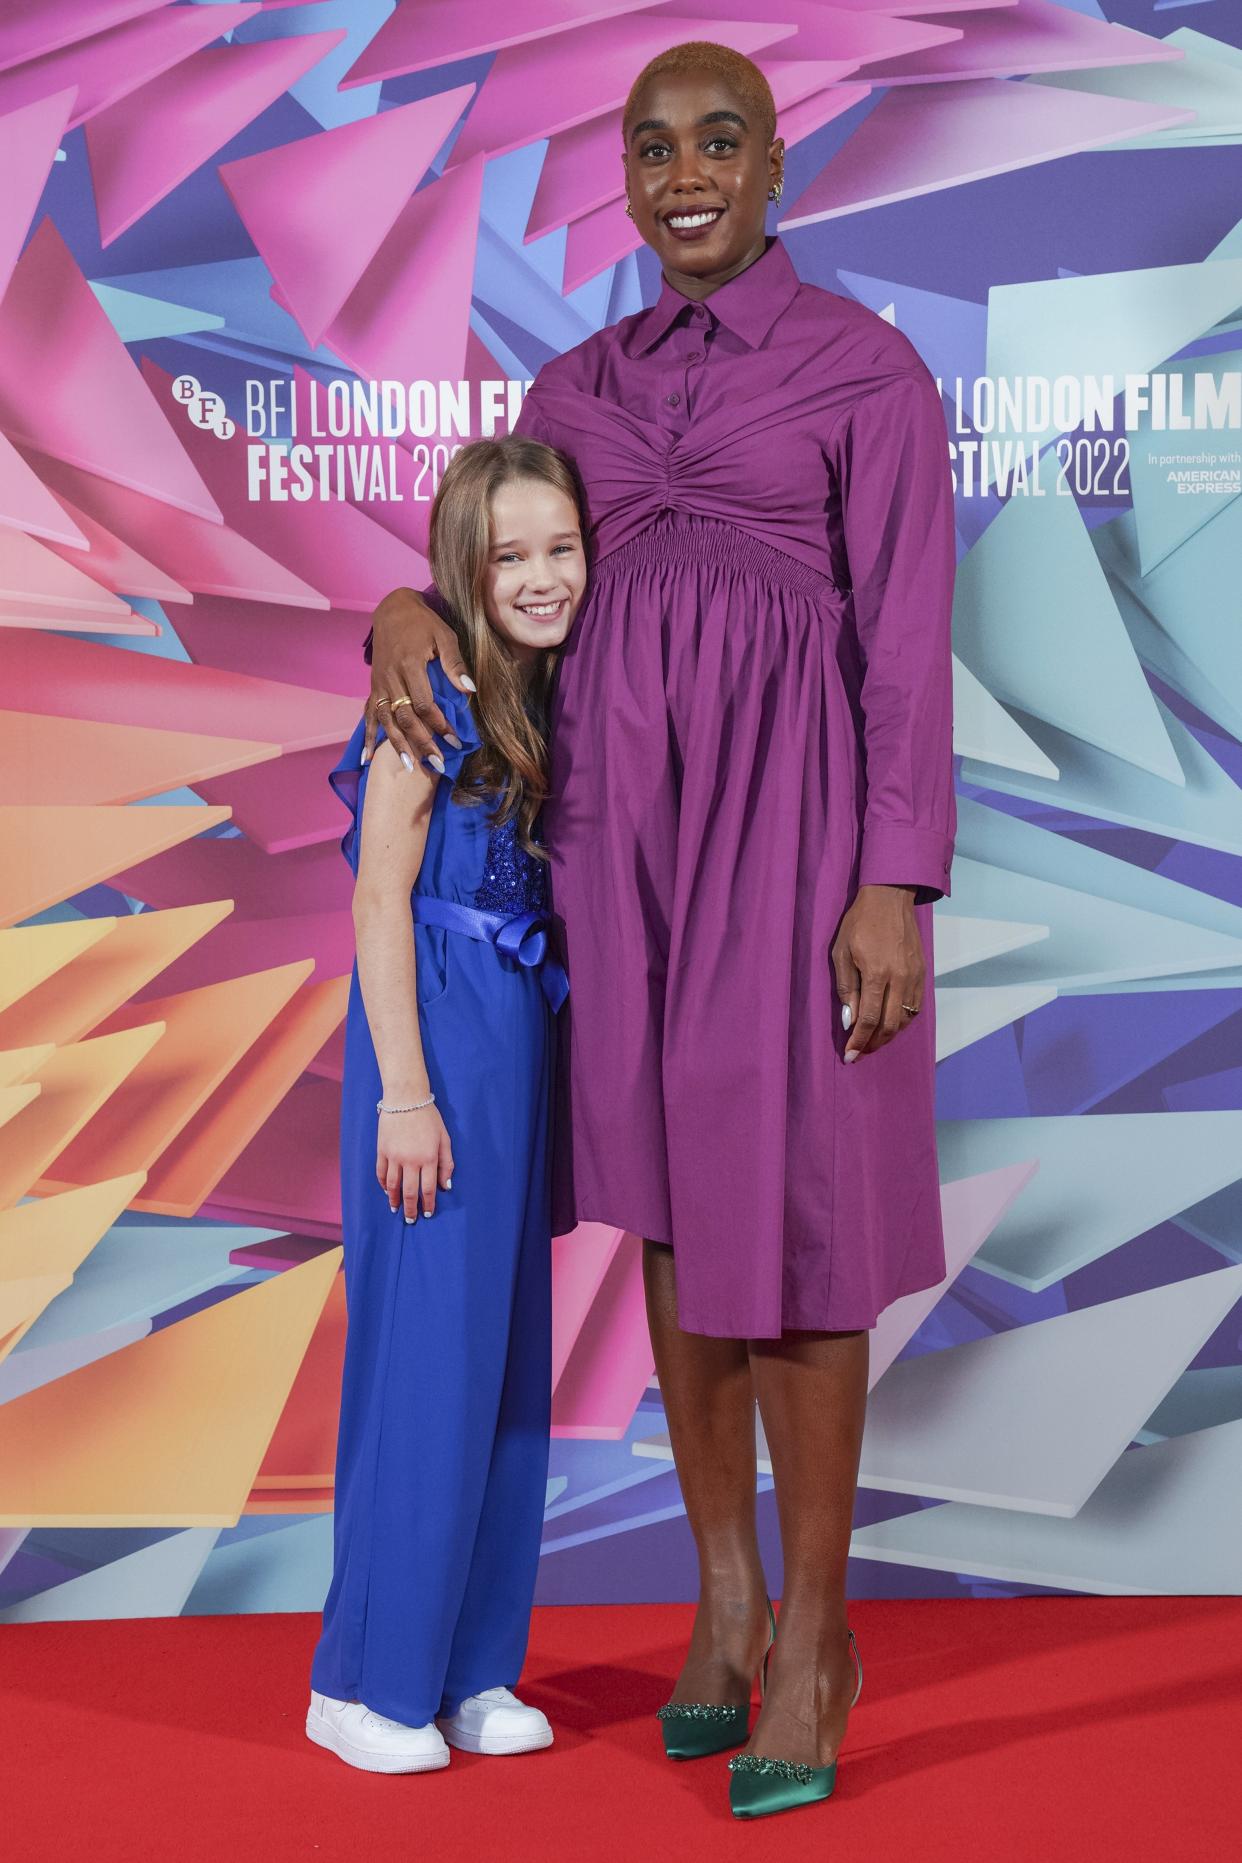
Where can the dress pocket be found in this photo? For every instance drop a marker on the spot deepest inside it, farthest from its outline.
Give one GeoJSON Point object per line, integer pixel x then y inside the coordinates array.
{"type": "Point", "coordinates": [432, 963]}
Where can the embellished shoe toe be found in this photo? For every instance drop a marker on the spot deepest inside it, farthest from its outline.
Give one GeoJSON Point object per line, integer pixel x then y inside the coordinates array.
{"type": "Point", "coordinates": [760, 1786]}
{"type": "Point", "coordinates": [696, 1729]}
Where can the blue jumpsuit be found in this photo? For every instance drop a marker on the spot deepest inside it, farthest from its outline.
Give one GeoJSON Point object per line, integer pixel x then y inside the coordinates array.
{"type": "Point", "coordinates": [443, 1449]}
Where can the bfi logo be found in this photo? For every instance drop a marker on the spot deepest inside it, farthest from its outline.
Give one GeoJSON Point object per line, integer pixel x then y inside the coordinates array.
{"type": "Point", "coordinates": [204, 408]}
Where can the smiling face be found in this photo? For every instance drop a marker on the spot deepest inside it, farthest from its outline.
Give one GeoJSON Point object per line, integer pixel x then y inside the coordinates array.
{"type": "Point", "coordinates": [536, 566]}
{"type": "Point", "coordinates": [698, 170]}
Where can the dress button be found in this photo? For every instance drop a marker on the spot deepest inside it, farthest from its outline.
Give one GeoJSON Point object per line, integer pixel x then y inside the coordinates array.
{"type": "Point", "coordinates": [694, 356]}
{"type": "Point", "coordinates": [700, 314]}
{"type": "Point", "coordinates": [673, 400]}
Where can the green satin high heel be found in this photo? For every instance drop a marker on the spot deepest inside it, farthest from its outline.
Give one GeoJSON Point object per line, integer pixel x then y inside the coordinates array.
{"type": "Point", "coordinates": [695, 1729]}
{"type": "Point", "coordinates": [758, 1786]}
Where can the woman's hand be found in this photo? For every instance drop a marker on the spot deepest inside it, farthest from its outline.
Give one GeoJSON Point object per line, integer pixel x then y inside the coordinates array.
{"type": "Point", "coordinates": [407, 634]}
{"type": "Point", "coordinates": [879, 964]}
{"type": "Point", "coordinates": [414, 1160]}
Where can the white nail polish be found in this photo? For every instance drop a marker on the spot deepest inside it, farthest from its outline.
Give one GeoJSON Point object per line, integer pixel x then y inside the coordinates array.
{"type": "Point", "coordinates": [366, 756]}
{"type": "Point", "coordinates": [450, 738]}
{"type": "Point", "coordinates": [449, 1185]}
{"type": "Point", "coordinates": [847, 1016]}
{"type": "Point", "coordinates": [436, 762]}
{"type": "Point", "coordinates": [427, 1215]}
{"type": "Point", "coordinates": [408, 761]}
{"type": "Point", "coordinates": [409, 1219]}
{"type": "Point", "coordinates": [852, 1055]}
{"type": "Point", "coordinates": [468, 683]}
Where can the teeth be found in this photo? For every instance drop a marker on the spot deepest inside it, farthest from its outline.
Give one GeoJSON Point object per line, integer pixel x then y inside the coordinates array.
{"type": "Point", "coordinates": [542, 610]}
{"type": "Point", "coordinates": [684, 220]}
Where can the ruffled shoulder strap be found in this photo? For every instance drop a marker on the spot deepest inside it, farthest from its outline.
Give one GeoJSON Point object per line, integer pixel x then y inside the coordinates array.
{"type": "Point", "coordinates": [349, 778]}
{"type": "Point", "coordinates": [457, 709]}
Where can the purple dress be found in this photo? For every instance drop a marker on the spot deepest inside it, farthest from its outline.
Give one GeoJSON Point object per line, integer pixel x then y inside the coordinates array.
{"type": "Point", "coordinates": [753, 718]}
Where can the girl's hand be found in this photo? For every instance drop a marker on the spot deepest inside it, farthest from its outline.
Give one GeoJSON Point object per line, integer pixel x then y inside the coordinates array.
{"type": "Point", "coordinates": [406, 634]}
{"type": "Point", "coordinates": [414, 1159]}
{"type": "Point", "coordinates": [879, 964]}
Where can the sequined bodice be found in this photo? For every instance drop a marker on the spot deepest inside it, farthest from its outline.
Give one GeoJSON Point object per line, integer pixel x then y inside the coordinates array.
{"type": "Point", "coordinates": [513, 880]}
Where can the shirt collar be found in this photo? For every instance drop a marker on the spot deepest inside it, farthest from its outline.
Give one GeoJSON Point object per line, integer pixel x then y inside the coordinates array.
{"type": "Point", "coordinates": [748, 305]}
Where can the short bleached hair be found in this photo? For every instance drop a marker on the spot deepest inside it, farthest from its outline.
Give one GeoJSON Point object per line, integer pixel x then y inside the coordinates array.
{"type": "Point", "coordinates": [717, 61]}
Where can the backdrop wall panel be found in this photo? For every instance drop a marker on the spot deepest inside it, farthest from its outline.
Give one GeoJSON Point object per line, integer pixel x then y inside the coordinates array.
{"type": "Point", "coordinates": [261, 268]}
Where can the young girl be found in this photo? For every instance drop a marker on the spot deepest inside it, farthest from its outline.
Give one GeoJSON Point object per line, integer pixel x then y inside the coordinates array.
{"type": "Point", "coordinates": [442, 1459]}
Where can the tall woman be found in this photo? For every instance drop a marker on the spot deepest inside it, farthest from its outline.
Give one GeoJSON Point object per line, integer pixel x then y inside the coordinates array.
{"type": "Point", "coordinates": [751, 815]}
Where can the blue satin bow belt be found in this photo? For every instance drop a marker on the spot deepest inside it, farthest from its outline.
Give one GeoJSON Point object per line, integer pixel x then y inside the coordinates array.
{"type": "Point", "coordinates": [522, 936]}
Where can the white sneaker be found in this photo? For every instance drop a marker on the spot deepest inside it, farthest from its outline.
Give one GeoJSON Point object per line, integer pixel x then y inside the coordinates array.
{"type": "Point", "coordinates": [495, 1721]}
{"type": "Point", "coordinates": [370, 1741]}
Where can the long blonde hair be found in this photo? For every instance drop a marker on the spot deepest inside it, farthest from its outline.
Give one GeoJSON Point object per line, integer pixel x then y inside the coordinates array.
{"type": "Point", "coordinates": [511, 706]}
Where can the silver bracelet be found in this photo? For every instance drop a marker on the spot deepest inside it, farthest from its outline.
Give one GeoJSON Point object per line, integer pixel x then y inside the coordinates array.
{"type": "Point", "coordinates": [417, 1106]}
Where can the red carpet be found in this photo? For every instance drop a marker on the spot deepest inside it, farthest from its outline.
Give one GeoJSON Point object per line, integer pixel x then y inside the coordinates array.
{"type": "Point", "coordinates": [1044, 1730]}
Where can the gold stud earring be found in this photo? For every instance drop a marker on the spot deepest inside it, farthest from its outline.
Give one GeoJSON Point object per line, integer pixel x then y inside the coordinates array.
{"type": "Point", "coordinates": [776, 190]}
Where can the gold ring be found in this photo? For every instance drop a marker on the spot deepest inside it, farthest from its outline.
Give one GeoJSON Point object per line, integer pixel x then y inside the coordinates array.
{"type": "Point", "coordinates": [910, 1009]}
{"type": "Point", "coordinates": [403, 700]}
{"type": "Point", "coordinates": [380, 704]}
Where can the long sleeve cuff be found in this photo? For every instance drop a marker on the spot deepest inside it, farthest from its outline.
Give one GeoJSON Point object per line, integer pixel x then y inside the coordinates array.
{"type": "Point", "coordinates": [899, 854]}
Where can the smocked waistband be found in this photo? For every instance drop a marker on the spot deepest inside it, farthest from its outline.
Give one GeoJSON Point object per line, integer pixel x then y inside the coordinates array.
{"type": "Point", "coordinates": [679, 537]}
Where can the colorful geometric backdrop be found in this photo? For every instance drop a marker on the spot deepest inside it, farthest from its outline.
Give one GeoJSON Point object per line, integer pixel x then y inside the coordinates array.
{"type": "Point", "coordinates": [430, 190]}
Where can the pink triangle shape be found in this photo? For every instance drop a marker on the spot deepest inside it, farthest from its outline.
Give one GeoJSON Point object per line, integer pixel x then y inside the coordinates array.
{"type": "Point", "coordinates": [903, 9]}
{"type": "Point", "coordinates": [29, 139]}
{"type": "Point", "coordinates": [811, 113]}
{"type": "Point", "coordinates": [110, 65]}
{"type": "Point", "coordinates": [288, 1171]}
{"type": "Point", "coordinates": [481, 365]}
{"type": "Point", "coordinates": [922, 137]}
{"type": "Point", "coordinates": [610, 1364]}
{"type": "Point", "coordinates": [69, 388]}
{"type": "Point", "coordinates": [1033, 35]}
{"type": "Point", "coordinates": [143, 147]}
{"type": "Point", "coordinates": [79, 679]}
{"type": "Point", "coordinates": [238, 945]}
{"type": "Point", "coordinates": [118, 565]}
{"type": "Point", "coordinates": [210, 559]}
{"type": "Point", "coordinates": [414, 297]}
{"type": "Point", "coordinates": [27, 31]}
{"type": "Point", "coordinates": [580, 1260]}
{"type": "Point", "coordinates": [30, 573]}
{"type": "Point", "coordinates": [318, 209]}
{"type": "Point", "coordinates": [310, 879]}
{"type": "Point", "coordinates": [294, 808]}
{"type": "Point", "coordinates": [323, 651]}
{"type": "Point", "coordinates": [596, 239]}
{"type": "Point", "coordinates": [26, 503]}
{"type": "Point", "coordinates": [849, 35]}
{"type": "Point", "coordinates": [75, 620]}
{"type": "Point", "coordinates": [424, 33]}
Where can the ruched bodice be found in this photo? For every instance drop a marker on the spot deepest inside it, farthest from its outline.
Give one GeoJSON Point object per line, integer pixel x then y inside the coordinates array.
{"type": "Point", "coordinates": [633, 479]}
